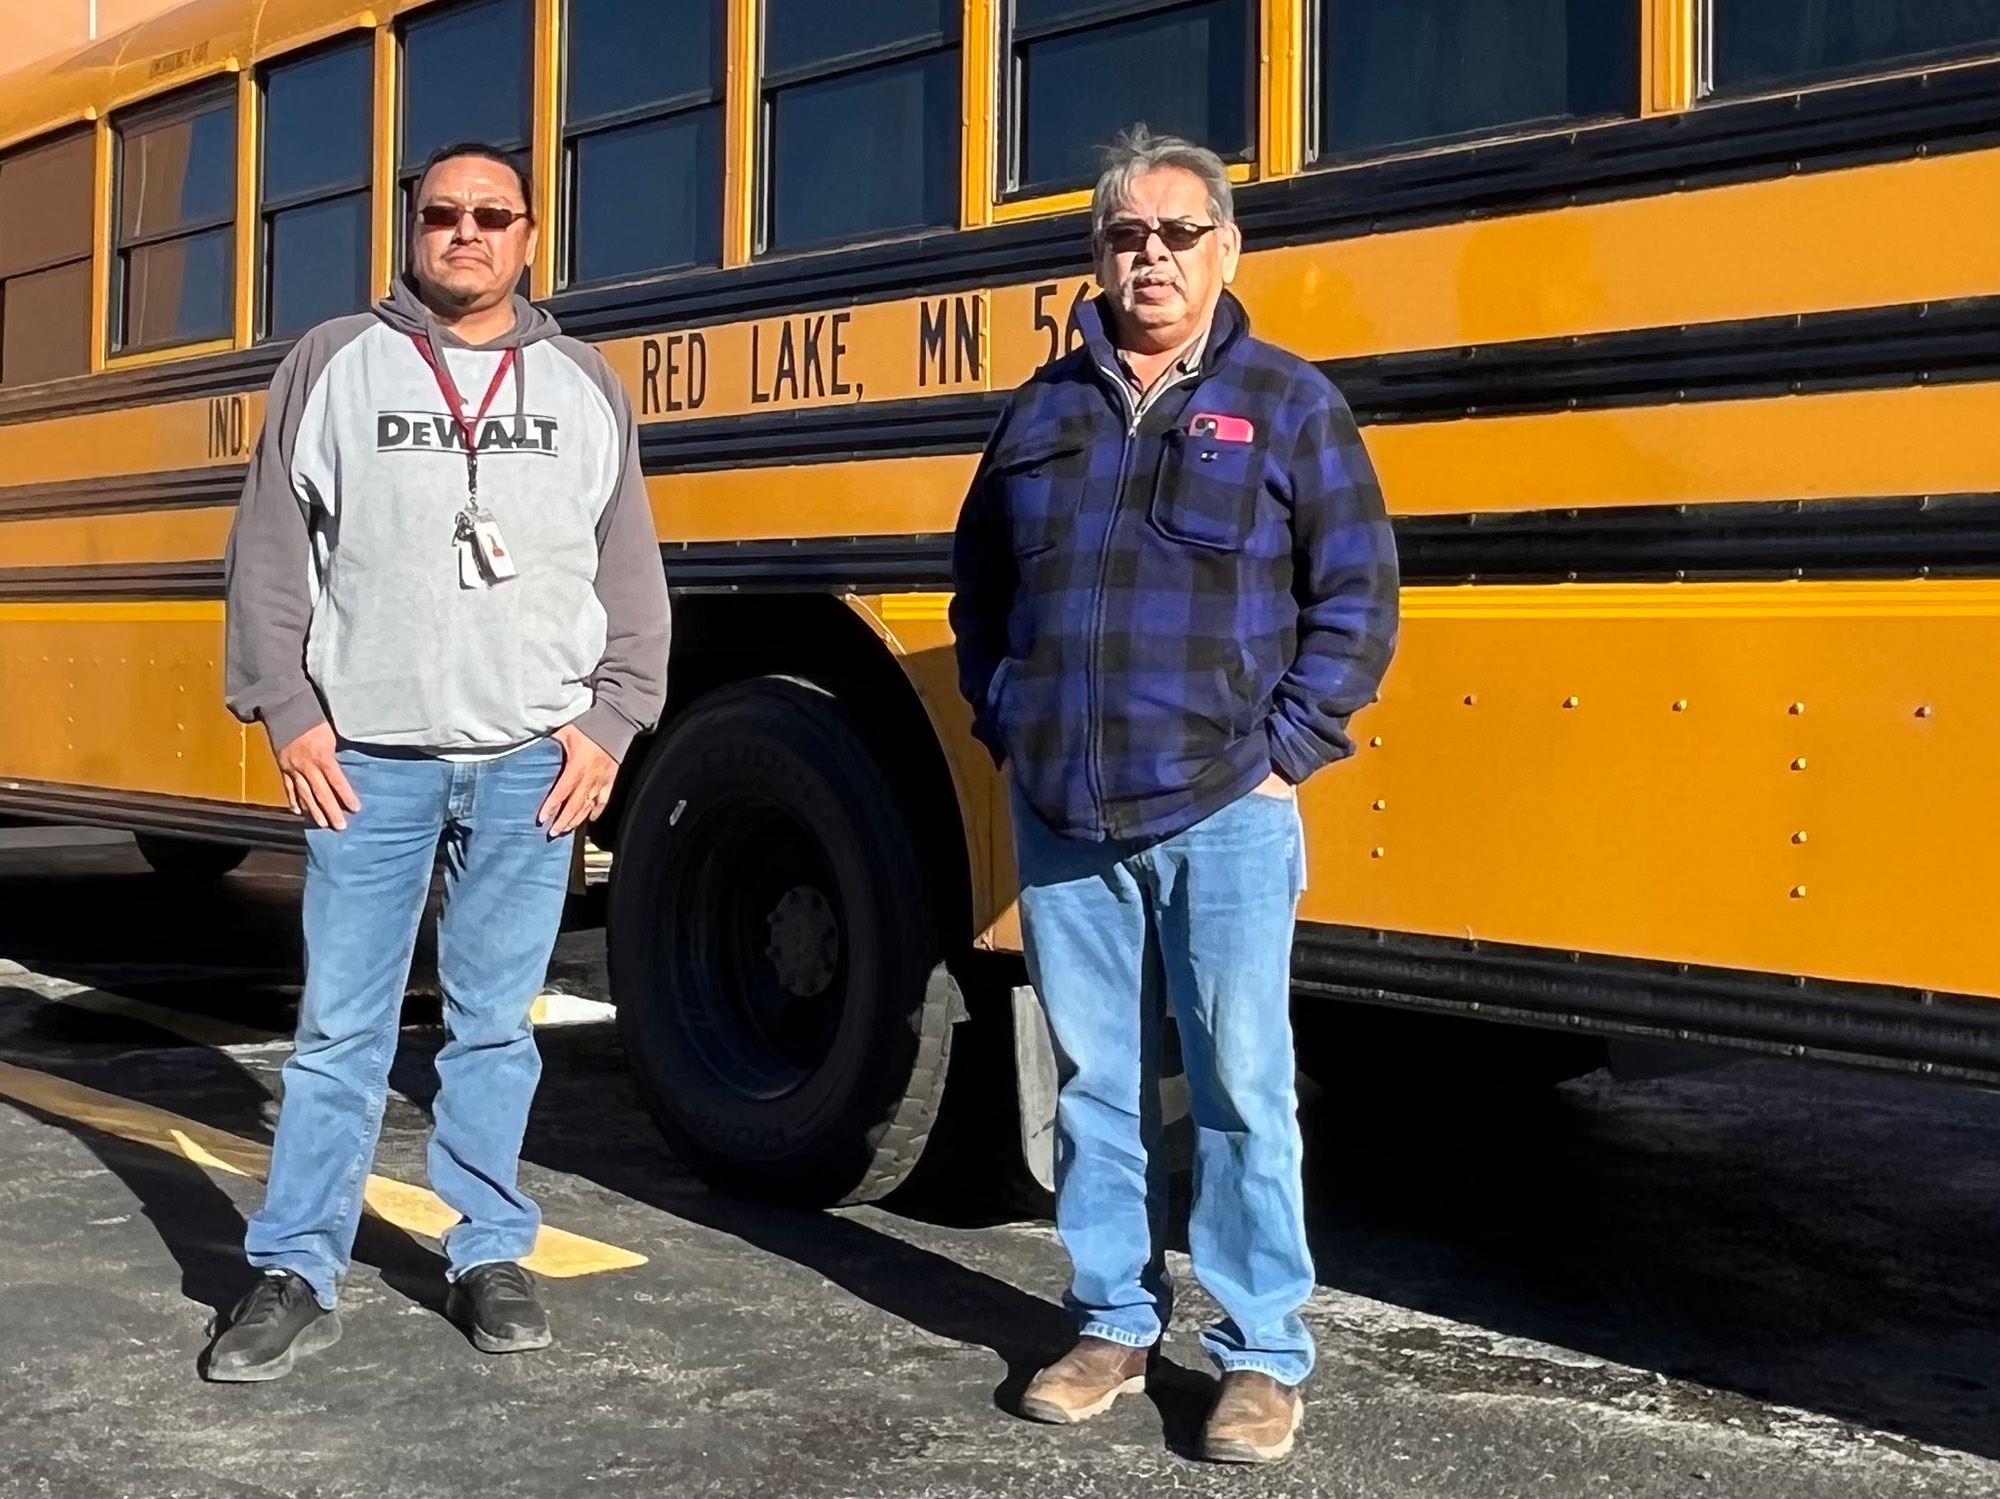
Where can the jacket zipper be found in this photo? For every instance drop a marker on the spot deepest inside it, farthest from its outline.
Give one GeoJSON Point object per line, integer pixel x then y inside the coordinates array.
{"type": "Point", "coordinates": [1135, 413]}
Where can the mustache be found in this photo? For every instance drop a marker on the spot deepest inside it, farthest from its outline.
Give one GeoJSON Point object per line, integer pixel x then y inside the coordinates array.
{"type": "Point", "coordinates": [1152, 276]}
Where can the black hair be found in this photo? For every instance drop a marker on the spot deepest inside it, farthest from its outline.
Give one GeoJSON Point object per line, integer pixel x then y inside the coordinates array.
{"type": "Point", "coordinates": [506, 159]}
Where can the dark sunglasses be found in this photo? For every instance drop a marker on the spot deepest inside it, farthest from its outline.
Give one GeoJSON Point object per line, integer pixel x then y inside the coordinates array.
{"type": "Point", "coordinates": [1129, 236]}
{"type": "Point", "coordinates": [487, 216]}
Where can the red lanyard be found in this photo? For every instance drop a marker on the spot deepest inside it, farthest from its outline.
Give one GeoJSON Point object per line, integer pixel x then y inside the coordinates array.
{"type": "Point", "coordinates": [449, 389]}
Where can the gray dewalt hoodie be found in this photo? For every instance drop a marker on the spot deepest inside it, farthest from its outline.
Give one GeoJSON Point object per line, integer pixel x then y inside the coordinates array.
{"type": "Point", "coordinates": [345, 596]}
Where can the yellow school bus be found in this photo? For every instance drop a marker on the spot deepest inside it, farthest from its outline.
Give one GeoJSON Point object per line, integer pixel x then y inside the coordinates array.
{"type": "Point", "coordinates": [1673, 325]}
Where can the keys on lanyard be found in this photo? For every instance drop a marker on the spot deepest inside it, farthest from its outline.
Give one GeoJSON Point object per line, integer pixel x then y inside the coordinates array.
{"type": "Point", "coordinates": [483, 556]}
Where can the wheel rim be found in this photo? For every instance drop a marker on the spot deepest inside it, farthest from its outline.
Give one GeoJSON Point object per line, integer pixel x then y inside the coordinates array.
{"type": "Point", "coordinates": [755, 947]}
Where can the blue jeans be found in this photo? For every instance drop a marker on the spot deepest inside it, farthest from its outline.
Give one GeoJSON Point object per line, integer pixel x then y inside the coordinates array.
{"type": "Point", "coordinates": [1203, 919]}
{"type": "Point", "coordinates": [365, 892]}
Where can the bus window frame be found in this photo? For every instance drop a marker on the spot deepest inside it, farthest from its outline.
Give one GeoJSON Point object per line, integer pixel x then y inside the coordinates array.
{"type": "Point", "coordinates": [361, 39]}
{"type": "Point", "coordinates": [1706, 91]}
{"type": "Point", "coordinates": [185, 101]}
{"type": "Point", "coordinates": [1011, 201]}
{"type": "Point", "coordinates": [569, 135]}
{"type": "Point", "coordinates": [767, 85]}
{"type": "Point", "coordinates": [1315, 159]}
{"type": "Point", "coordinates": [81, 130]}
{"type": "Point", "coordinates": [404, 178]}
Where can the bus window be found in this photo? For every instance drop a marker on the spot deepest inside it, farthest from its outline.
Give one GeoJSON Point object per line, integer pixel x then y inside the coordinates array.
{"type": "Point", "coordinates": [466, 77]}
{"type": "Point", "coordinates": [1431, 70]}
{"type": "Point", "coordinates": [314, 194]}
{"type": "Point", "coordinates": [1078, 74]}
{"type": "Point", "coordinates": [1761, 44]}
{"type": "Point", "coordinates": [860, 119]}
{"type": "Point", "coordinates": [642, 135]}
{"type": "Point", "coordinates": [176, 252]}
{"type": "Point", "coordinates": [45, 203]}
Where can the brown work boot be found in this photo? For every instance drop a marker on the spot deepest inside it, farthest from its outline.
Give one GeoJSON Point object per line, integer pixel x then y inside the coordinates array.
{"type": "Point", "coordinates": [1084, 1381]}
{"type": "Point", "coordinates": [1254, 1421]}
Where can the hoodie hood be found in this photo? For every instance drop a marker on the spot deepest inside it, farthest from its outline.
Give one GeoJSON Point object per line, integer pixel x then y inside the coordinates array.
{"type": "Point", "coordinates": [404, 311]}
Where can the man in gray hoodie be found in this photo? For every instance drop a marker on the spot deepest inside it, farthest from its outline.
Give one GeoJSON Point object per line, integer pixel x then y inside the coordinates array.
{"type": "Point", "coordinates": [446, 607]}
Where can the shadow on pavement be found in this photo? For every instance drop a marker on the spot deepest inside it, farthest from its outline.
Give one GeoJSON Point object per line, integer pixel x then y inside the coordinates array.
{"type": "Point", "coordinates": [583, 1080]}
{"type": "Point", "coordinates": [1788, 1237]}
{"type": "Point", "coordinates": [1824, 1241]}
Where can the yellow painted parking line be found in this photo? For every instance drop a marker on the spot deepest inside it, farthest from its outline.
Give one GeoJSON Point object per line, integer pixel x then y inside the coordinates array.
{"type": "Point", "coordinates": [558, 1254]}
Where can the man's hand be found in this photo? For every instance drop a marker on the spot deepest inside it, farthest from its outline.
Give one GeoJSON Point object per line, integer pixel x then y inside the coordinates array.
{"type": "Point", "coordinates": [584, 786]}
{"type": "Point", "coordinates": [314, 782]}
{"type": "Point", "coordinates": [1275, 785]}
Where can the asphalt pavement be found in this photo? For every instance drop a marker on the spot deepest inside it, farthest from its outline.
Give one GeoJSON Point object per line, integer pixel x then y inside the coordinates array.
{"type": "Point", "coordinates": [1754, 1279]}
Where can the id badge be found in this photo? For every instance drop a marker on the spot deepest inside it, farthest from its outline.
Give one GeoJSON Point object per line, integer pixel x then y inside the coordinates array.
{"type": "Point", "coordinates": [491, 546]}
{"type": "Point", "coordinates": [469, 575]}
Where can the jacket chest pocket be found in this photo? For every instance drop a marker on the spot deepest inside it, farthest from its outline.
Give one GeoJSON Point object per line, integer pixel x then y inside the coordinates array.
{"type": "Point", "coordinates": [1205, 491]}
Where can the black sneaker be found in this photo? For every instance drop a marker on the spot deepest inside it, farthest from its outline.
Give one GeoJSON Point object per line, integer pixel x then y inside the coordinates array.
{"type": "Point", "coordinates": [275, 1323]}
{"type": "Point", "coordinates": [496, 1306]}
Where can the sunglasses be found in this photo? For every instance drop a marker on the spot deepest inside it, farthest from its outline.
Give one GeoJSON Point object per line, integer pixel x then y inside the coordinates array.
{"type": "Point", "coordinates": [1130, 236]}
{"type": "Point", "coordinates": [489, 217]}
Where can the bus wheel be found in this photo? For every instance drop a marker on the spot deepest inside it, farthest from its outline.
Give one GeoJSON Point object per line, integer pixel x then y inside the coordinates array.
{"type": "Point", "coordinates": [779, 978]}
{"type": "Point", "coordinates": [189, 858]}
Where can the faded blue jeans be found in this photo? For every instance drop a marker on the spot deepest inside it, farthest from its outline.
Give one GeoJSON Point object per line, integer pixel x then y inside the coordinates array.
{"type": "Point", "coordinates": [365, 892]}
{"type": "Point", "coordinates": [1202, 920]}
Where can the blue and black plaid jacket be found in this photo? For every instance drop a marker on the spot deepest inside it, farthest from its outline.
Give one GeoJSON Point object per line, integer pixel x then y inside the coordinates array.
{"type": "Point", "coordinates": [1151, 618]}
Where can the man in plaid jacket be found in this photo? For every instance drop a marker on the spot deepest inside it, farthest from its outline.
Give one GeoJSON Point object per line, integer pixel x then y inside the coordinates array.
{"type": "Point", "coordinates": [1174, 583]}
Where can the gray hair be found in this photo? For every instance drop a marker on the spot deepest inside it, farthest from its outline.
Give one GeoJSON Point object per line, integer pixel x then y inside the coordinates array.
{"type": "Point", "coordinates": [1138, 151]}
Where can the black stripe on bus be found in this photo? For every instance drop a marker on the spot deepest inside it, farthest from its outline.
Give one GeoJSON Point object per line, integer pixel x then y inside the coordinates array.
{"type": "Point", "coordinates": [1921, 343]}
{"type": "Point", "coordinates": [232, 373]}
{"type": "Point", "coordinates": [1898, 537]}
{"type": "Point", "coordinates": [154, 812]}
{"type": "Point", "coordinates": [174, 489]}
{"type": "Point", "coordinates": [106, 582]}
{"type": "Point", "coordinates": [823, 434]}
{"type": "Point", "coordinates": [1894, 537]}
{"type": "Point", "coordinates": [1950, 110]}
{"type": "Point", "coordinates": [1947, 1036]}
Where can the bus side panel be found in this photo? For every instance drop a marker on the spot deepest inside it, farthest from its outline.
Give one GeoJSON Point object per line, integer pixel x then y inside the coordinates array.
{"type": "Point", "coordinates": [125, 696]}
{"type": "Point", "coordinates": [1792, 777]}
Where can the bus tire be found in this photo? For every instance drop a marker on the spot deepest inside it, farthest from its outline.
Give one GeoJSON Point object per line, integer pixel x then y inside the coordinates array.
{"type": "Point", "coordinates": [779, 977]}
{"type": "Point", "coordinates": [189, 858]}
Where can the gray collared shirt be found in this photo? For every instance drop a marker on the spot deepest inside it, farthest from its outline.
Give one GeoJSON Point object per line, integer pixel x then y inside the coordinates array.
{"type": "Point", "coordinates": [1189, 363]}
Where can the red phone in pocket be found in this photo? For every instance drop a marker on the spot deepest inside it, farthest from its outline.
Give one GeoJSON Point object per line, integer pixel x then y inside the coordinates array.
{"type": "Point", "coordinates": [1221, 428]}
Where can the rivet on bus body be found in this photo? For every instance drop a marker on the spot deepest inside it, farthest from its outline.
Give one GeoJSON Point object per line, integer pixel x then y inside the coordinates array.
{"type": "Point", "coordinates": [1924, 711]}
{"type": "Point", "coordinates": [1797, 709]}
{"type": "Point", "coordinates": [1799, 836]}
{"type": "Point", "coordinates": [1376, 853]}
{"type": "Point", "coordinates": [1471, 698]}
{"type": "Point", "coordinates": [1381, 806]}
{"type": "Point", "coordinates": [1376, 742]}
{"type": "Point", "coordinates": [1800, 763]}
{"type": "Point", "coordinates": [1798, 892]}
{"type": "Point", "coordinates": [1571, 702]}
{"type": "Point", "coordinates": [1680, 705]}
